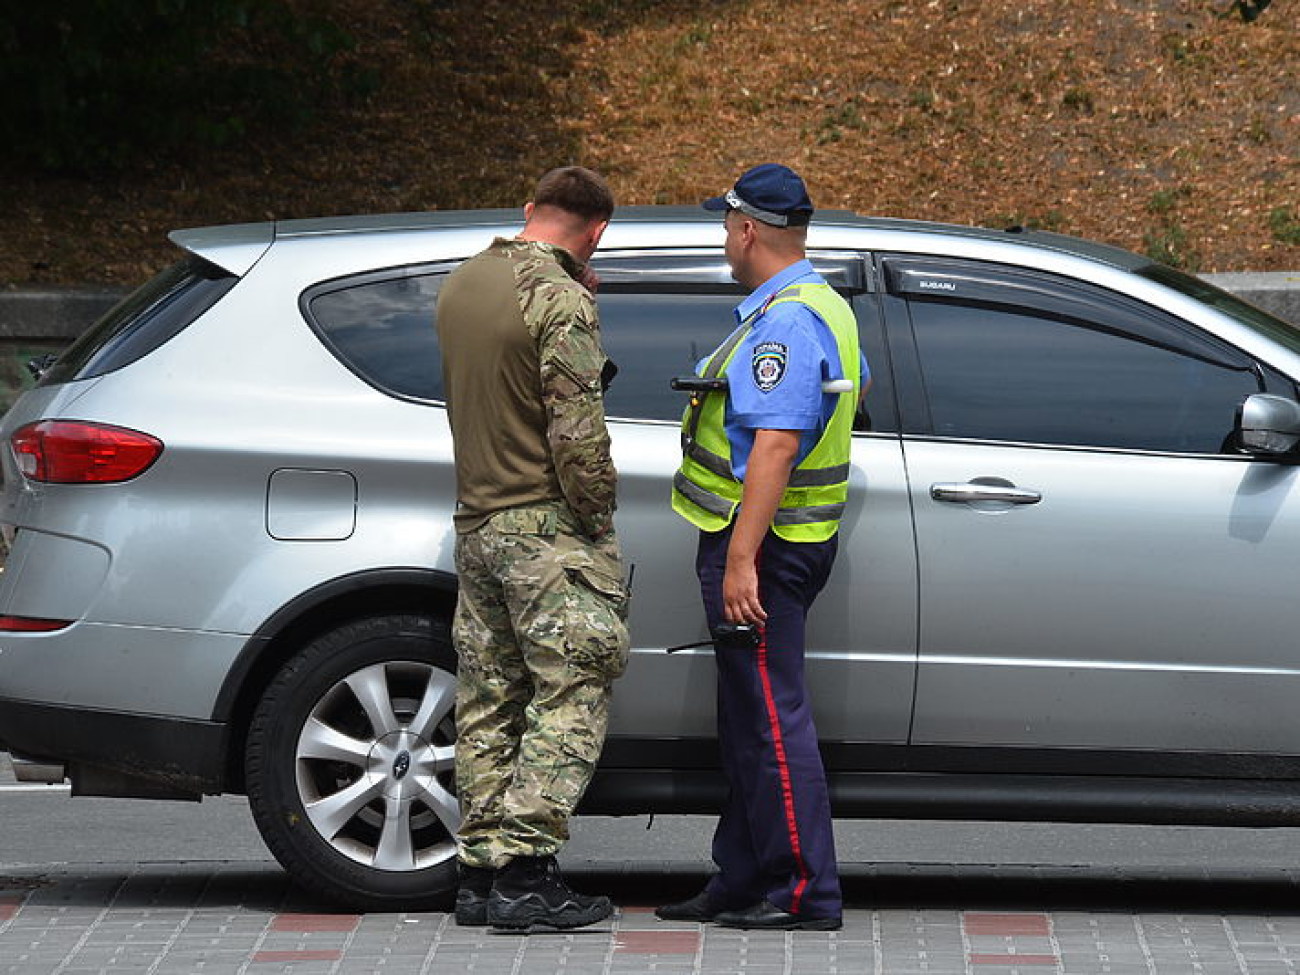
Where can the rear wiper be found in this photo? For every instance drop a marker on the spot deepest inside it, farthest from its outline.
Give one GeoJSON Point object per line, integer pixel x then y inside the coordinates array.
{"type": "Point", "coordinates": [40, 365]}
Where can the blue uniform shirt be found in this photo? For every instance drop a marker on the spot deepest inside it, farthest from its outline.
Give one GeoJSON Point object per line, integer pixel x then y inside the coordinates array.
{"type": "Point", "coordinates": [775, 378]}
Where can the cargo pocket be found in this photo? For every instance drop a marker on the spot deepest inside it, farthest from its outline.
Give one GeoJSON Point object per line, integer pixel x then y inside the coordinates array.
{"type": "Point", "coordinates": [567, 779]}
{"type": "Point", "coordinates": [597, 634]}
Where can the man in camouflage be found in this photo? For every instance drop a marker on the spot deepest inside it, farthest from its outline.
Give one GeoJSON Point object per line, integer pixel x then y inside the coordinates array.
{"type": "Point", "coordinates": [540, 624]}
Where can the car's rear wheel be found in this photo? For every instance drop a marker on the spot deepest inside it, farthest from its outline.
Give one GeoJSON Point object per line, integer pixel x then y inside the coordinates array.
{"type": "Point", "coordinates": [350, 768]}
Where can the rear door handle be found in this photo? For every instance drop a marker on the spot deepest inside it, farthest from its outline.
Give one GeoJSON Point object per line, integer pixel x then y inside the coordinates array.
{"type": "Point", "coordinates": [984, 489]}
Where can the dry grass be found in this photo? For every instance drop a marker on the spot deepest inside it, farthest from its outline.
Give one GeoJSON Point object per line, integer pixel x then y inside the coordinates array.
{"type": "Point", "coordinates": [1157, 125]}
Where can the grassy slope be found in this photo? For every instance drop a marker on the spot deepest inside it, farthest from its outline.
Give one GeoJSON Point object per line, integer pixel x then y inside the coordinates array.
{"type": "Point", "coordinates": [1155, 125]}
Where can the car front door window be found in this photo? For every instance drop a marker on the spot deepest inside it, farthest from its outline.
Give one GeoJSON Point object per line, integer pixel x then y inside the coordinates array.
{"type": "Point", "coordinates": [1029, 375]}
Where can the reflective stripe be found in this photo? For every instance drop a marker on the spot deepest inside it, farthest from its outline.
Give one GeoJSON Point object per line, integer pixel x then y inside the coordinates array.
{"type": "Point", "coordinates": [691, 422]}
{"type": "Point", "coordinates": [808, 516]}
{"type": "Point", "coordinates": [819, 476]}
{"type": "Point", "coordinates": [799, 477]}
{"type": "Point", "coordinates": [720, 357]}
{"type": "Point", "coordinates": [710, 502]}
{"type": "Point", "coordinates": [711, 462]}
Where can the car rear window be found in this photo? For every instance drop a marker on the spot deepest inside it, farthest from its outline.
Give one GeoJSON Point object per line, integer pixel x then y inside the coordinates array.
{"type": "Point", "coordinates": [142, 321]}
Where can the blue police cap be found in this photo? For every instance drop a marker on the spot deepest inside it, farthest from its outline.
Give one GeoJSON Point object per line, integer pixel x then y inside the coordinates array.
{"type": "Point", "coordinates": [770, 192]}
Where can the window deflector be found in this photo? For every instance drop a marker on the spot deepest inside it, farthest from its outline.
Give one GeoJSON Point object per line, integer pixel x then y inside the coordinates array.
{"type": "Point", "coordinates": [1057, 299]}
{"type": "Point", "coordinates": [707, 269]}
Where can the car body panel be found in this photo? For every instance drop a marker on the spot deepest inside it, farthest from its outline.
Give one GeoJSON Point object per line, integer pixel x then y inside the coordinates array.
{"type": "Point", "coordinates": [1133, 630]}
{"type": "Point", "coordinates": [1139, 610]}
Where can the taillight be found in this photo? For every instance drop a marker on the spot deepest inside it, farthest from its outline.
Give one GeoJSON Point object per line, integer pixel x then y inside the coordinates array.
{"type": "Point", "coordinates": [31, 624]}
{"type": "Point", "coordinates": [71, 452]}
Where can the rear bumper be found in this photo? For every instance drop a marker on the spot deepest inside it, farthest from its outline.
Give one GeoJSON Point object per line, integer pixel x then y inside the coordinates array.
{"type": "Point", "coordinates": [111, 753]}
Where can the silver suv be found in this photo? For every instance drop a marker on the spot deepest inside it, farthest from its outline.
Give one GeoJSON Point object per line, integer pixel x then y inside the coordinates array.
{"type": "Point", "coordinates": [1066, 589]}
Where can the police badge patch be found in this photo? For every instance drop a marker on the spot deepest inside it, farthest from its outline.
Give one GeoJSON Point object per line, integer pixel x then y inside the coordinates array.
{"type": "Point", "coordinates": [769, 364]}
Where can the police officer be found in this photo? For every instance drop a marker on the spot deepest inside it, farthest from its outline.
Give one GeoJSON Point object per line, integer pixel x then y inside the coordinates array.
{"type": "Point", "coordinates": [540, 622]}
{"type": "Point", "coordinates": [764, 477]}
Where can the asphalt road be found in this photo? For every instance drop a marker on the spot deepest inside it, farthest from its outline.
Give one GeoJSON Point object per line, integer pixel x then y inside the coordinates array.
{"type": "Point", "coordinates": [44, 825]}
{"type": "Point", "coordinates": [104, 885]}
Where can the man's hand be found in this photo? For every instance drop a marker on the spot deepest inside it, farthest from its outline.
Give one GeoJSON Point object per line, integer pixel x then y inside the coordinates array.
{"type": "Point", "coordinates": [740, 603]}
{"type": "Point", "coordinates": [766, 476]}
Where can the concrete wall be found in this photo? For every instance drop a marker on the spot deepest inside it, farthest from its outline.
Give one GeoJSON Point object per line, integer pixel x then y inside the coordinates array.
{"type": "Point", "coordinates": [36, 321]}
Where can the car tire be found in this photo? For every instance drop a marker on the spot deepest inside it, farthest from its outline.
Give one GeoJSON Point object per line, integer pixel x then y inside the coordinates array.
{"type": "Point", "coordinates": [350, 765]}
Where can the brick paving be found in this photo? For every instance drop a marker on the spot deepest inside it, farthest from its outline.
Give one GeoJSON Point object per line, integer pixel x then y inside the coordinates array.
{"type": "Point", "coordinates": [174, 918]}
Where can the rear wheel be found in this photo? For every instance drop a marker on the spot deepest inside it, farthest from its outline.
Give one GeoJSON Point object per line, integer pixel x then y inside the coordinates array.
{"type": "Point", "coordinates": [350, 765]}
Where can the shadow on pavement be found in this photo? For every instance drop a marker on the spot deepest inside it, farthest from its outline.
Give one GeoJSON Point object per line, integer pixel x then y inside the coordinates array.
{"type": "Point", "coordinates": [901, 886]}
{"type": "Point", "coordinates": [259, 887]}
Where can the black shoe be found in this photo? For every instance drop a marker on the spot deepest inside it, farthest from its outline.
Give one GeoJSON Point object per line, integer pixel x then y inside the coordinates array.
{"type": "Point", "coordinates": [767, 916]}
{"type": "Point", "coordinates": [700, 908]}
{"type": "Point", "coordinates": [472, 895]}
{"type": "Point", "coordinates": [530, 891]}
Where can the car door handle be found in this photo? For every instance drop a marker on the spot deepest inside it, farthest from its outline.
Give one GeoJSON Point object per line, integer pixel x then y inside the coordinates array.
{"type": "Point", "coordinates": [984, 489]}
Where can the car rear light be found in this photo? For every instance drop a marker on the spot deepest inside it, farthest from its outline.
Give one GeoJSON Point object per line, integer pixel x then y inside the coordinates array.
{"type": "Point", "coordinates": [30, 624]}
{"type": "Point", "coordinates": [71, 452]}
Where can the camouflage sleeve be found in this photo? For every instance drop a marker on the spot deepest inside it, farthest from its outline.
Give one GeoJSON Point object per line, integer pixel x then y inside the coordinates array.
{"type": "Point", "coordinates": [571, 362]}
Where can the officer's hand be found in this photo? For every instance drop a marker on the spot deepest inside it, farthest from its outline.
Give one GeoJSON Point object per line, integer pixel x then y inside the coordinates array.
{"type": "Point", "coordinates": [740, 603]}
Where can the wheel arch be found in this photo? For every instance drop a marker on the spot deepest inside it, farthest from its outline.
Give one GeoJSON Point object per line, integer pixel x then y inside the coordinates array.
{"type": "Point", "coordinates": [331, 604]}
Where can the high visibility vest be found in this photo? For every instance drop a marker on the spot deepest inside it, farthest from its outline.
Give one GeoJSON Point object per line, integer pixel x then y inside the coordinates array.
{"type": "Point", "coordinates": [706, 492]}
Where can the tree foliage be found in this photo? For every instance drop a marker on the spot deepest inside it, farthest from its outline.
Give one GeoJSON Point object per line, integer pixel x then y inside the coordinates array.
{"type": "Point", "coordinates": [87, 85]}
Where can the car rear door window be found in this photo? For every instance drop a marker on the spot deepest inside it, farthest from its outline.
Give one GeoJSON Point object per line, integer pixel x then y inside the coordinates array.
{"type": "Point", "coordinates": [661, 313]}
{"type": "Point", "coordinates": [1026, 359]}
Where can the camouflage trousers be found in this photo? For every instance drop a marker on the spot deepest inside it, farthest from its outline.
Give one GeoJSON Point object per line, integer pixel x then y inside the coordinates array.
{"type": "Point", "coordinates": [540, 630]}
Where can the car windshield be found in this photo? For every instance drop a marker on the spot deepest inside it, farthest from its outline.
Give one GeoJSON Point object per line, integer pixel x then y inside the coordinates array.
{"type": "Point", "coordinates": [1279, 331]}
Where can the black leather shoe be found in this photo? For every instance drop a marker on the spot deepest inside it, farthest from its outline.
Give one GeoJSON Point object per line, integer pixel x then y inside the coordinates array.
{"type": "Point", "coordinates": [700, 908]}
{"type": "Point", "coordinates": [767, 916]}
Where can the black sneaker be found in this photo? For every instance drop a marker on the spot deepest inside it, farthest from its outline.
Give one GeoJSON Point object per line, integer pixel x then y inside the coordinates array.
{"type": "Point", "coordinates": [472, 895]}
{"type": "Point", "coordinates": [529, 891]}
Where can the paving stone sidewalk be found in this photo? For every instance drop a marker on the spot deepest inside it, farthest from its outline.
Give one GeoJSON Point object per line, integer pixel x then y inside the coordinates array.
{"type": "Point", "coordinates": [173, 918]}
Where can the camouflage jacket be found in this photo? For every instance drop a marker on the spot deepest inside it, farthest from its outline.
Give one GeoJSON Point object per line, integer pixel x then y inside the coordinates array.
{"type": "Point", "coordinates": [522, 364]}
{"type": "Point", "coordinates": [561, 315]}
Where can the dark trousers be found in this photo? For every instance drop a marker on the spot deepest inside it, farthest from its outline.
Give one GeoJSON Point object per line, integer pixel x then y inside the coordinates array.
{"type": "Point", "coordinates": [774, 839]}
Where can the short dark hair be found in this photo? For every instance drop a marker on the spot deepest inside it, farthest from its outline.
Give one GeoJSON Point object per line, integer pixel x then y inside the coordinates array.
{"type": "Point", "coordinates": [576, 190]}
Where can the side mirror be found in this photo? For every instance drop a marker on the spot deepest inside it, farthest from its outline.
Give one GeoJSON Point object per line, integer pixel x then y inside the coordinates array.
{"type": "Point", "coordinates": [1268, 425]}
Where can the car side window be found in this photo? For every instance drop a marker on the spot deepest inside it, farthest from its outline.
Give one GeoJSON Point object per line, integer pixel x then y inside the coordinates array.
{"type": "Point", "coordinates": [381, 327]}
{"type": "Point", "coordinates": [1015, 360]}
{"type": "Point", "coordinates": [661, 314]}
{"type": "Point", "coordinates": [653, 337]}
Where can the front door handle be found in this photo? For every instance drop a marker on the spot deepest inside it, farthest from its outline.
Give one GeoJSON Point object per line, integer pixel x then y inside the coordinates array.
{"type": "Point", "coordinates": [984, 489]}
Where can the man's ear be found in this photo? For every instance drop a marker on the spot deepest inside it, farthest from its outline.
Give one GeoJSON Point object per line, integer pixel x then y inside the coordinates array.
{"type": "Point", "coordinates": [597, 231]}
{"type": "Point", "coordinates": [528, 211]}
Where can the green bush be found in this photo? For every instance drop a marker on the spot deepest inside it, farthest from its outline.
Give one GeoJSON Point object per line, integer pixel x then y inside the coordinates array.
{"type": "Point", "coordinates": [94, 84]}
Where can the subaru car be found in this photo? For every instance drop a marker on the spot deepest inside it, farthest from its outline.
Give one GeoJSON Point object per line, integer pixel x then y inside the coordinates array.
{"type": "Point", "coordinates": [1064, 592]}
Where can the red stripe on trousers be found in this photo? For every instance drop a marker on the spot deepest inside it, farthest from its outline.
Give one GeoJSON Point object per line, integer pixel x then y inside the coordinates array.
{"type": "Point", "coordinates": [787, 793]}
